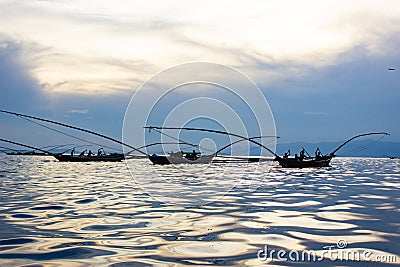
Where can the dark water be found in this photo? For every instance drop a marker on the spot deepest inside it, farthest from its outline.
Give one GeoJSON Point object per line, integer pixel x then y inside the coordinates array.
{"type": "Point", "coordinates": [79, 214]}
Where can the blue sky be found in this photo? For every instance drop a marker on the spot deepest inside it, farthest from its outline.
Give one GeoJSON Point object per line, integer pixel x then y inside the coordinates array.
{"type": "Point", "coordinates": [322, 65]}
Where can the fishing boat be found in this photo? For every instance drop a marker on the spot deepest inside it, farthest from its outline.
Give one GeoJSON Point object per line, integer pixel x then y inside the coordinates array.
{"type": "Point", "coordinates": [108, 157]}
{"type": "Point", "coordinates": [307, 162]}
{"type": "Point", "coordinates": [181, 158]}
{"type": "Point", "coordinates": [319, 160]}
{"type": "Point", "coordinates": [72, 158]}
{"type": "Point", "coordinates": [196, 158]}
{"type": "Point", "coordinates": [285, 162]}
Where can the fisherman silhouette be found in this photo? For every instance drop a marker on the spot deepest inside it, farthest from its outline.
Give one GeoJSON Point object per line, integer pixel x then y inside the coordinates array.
{"type": "Point", "coordinates": [90, 153]}
{"type": "Point", "coordinates": [317, 153]}
{"type": "Point", "coordinates": [286, 154]}
{"type": "Point", "coordinates": [82, 153]}
{"type": "Point", "coordinates": [73, 152]}
{"type": "Point", "coordinates": [302, 154]}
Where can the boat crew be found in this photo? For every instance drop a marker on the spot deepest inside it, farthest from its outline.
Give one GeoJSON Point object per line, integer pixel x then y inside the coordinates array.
{"type": "Point", "coordinates": [72, 152]}
{"type": "Point", "coordinates": [100, 152]}
{"type": "Point", "coordinates": [90, 153]}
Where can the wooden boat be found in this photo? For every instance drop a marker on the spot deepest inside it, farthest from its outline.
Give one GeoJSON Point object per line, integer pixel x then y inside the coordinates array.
{"type": "Point", "coordinates": [318, 161]}
{"type": "Point", "coordinates": [108, 157]}
{"type": "Point", "coordinates": [61, 157]}
{"type": "Point", "coordinates": [181, 158]}
{"type": "Point", "coordinates": [188, 158]}
{"type": "Point", "coordinates": [307, 162]}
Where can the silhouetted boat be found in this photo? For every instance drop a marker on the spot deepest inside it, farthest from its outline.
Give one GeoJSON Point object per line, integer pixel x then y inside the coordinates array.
{"type": "Point", "coordinates": [108, 157]}
{"type": "Point", "coordinates": [61, 157]}
{"type": "Point", "coordinates": [308, 162]}
{"type": "Point", "coordinates": [315, 162]}
{"type": "Point", "coordinates": [181, 158]}
{"type": "Point", "coordinates": [197, 158]}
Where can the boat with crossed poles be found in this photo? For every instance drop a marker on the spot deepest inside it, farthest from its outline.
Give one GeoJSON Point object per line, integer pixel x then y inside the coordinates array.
{"type": "Point", "coordinates": [284, 161]}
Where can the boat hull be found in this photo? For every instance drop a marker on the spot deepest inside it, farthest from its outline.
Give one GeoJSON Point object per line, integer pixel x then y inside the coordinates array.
{"type": "Point", "coordinates": [305, 163]}
{"type": "Point", "coordinates": [164, 160]}
{"type": "Point", "coordinates": [111, 158]}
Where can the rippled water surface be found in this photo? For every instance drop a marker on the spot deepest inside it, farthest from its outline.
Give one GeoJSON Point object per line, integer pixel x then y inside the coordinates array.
{"type": "Point", "coordinates": [78, 214]}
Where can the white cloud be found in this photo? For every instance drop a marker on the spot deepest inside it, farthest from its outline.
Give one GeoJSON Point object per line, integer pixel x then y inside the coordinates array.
{"type": "Point", "coordinates": [108, 46]}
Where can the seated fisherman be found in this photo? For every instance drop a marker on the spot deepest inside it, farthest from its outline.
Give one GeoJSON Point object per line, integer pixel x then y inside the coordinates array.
{"type": "Point", "coordinates": [82, 154]}
{"type": "Point", "coordinates": [287, 154]}
{"type": "Point", "coordinates": [318, 153]}
{"type": "Point", "coordinates": [302, 154]}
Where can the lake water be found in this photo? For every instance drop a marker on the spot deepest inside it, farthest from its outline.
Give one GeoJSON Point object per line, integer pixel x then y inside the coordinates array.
{"type": "Point", "coordinates": [79, 214]}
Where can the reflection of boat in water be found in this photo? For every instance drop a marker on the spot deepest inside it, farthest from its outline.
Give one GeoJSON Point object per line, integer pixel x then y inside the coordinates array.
{"type": "Point", "coordinates": [181, 157]}
{"type": "Point", "coordinates": [318, 160]}
{"type": "Point", "coordinates": [109, 157]}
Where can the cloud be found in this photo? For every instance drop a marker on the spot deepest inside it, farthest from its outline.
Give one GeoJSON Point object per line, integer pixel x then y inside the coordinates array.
{"type": "Point", "coordinates": [18, 89]}
{"type": "Point", "coordinates": [106, 48]}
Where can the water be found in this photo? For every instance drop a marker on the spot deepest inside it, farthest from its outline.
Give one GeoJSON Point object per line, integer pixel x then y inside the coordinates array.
{"type": "Point", "coordinates": [79, 214]}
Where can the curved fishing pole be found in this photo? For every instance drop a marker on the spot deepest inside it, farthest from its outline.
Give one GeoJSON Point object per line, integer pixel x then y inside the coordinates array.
{"type": "Point", "coordinates": [31, 147]}
{"type": "Point", "coordinates": [56, 146]}
{"type": "Point", "coordinates": [177, 139]}
{"type": "Point", "coordinates": [212, 131]}
{"type": "Point", "coordinates": [69, 135]}
{"type": "Point", "coordinates": [354, 137]}
{"type": "Point", "coordinates": [75, 128]}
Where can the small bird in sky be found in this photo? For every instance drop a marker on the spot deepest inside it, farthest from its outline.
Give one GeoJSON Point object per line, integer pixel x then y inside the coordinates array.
{"type": "Point", "coordinates": [391, 68]}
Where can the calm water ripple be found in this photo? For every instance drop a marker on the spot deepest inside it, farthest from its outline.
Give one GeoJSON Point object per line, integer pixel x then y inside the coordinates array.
{"type": "Point", "coordinates": [78, 214]}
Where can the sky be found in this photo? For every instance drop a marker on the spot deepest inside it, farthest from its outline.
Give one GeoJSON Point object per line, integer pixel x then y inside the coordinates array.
{"type": "Point", "coordinates": [321, 65]}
